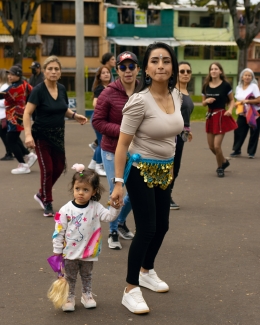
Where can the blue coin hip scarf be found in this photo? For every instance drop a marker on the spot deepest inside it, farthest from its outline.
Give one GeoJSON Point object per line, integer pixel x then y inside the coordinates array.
{"type": "Point", "coordinates": [154, 172]}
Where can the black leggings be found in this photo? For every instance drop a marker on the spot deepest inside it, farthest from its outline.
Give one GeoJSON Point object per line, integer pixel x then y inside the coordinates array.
{"type": "Point", "coordinates": [16, 146]}
{"type": "Point", "coordinates": [151, 208]}
{"type": "Point", "coordinates": [3, 132]}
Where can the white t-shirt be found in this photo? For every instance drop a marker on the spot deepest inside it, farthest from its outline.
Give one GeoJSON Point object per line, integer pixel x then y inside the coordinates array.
{"type": "Point", "coordinates": [2, 102]}
{"type": "Point", "coordinates": [241, 93]}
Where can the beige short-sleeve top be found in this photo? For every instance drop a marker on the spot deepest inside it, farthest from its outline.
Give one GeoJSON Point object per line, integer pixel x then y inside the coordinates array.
{"type": "Point", "coordinates": [154, 131]}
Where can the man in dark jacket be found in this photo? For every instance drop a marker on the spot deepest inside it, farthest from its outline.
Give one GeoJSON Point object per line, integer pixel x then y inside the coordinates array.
{"type": "Point", "coordinates": [37, 75]}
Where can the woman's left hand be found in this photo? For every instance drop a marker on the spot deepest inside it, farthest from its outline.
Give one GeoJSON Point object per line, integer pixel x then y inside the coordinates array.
{"type": "Point", "coordinates": [80, 119]}
{"type": "Point", "coordinates": [190, 137]}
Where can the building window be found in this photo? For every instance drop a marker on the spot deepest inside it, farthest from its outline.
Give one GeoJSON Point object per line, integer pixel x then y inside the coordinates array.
{"type": "Point", "coordinates": [202, 19]}
{"type": "Point", "coordinates": [58, 45]}
{"type": "Point", "coordinates": [30, 52]}
{"type": "Point", "coordinates": [191, 51]}
{"type": "Point", "coordinates": [257, 52]}
{"type": "Point", "coordinates": [153, 17]}
{"type": "Point", "coordinates": [191, 86]}
{"type": "Point", "coordinates": [58, 12]}
{"type": "Point", "coordinates": [184, 19]}
{"type": "Point", "coordinates": [63, 12]}
{"type": "Point", "coordinates": [125, 15]}
{"type": "Point", "coordinates": [91, 13]}
{"type": "Point", "coordinates": [91, 47]}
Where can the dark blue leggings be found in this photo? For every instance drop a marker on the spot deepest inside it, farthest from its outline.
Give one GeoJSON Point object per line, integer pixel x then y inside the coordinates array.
{"type": "Point", "coordinates": [151, 208]}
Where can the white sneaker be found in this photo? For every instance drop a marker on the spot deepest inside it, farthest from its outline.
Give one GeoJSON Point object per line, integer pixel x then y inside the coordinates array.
{"type": "Point", "coordinates": [100, 170]}
{"type": "Point", "coordinates": [134, 301]}
{"type": "Point", "coordinates": [32, 157]}
{"type": "Point", "coordinates": [92, 164]}
{"type": "Point", "coordinates": [113, 241]}
{"type": "Point", "coordinates": [21, 169]}
{"type": "Point", "coordinates": [88, 301]}
{"type": "Point", "coordinates": [152, 281]}
{"type": "Point", "coordinates": [70, 304]}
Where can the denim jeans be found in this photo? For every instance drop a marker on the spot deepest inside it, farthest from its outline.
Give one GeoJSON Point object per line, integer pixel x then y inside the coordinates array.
{"type": "Point", "coordinates": [109, 165]}
{"type": "Point", "coordinates": [97, 154]}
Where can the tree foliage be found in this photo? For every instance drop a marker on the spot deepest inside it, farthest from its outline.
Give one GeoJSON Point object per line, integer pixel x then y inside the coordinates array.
{"type": "Point", "coordinates": [23, 12]}
{"type": "Point", "coordinates": [143, 4]}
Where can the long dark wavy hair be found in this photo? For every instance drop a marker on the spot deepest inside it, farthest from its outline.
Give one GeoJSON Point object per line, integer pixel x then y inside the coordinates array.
{"type": "Point", "coordinates": [175, 69]}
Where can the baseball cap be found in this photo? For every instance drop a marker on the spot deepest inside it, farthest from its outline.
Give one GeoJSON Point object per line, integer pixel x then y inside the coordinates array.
{"type": "Point", "coordinates": [15, 70]}
{"type": "Point", "coordinates": [34, 65]}
{"type": "Point", "coordinates": [126, 56]}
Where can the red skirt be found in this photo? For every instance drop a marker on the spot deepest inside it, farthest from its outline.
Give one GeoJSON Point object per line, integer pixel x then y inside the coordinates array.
{"type": "Point", "coordinates": [218, 123]}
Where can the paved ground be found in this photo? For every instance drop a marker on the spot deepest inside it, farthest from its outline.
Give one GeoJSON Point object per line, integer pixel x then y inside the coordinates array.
{"type": "Point", "coordinates": [210, 257]}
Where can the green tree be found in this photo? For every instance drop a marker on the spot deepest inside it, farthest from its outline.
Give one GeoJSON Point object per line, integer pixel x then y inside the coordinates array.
{"type": "Point", "coordinates": [23, 12]}
{"type": "Point", "coordinates": [251, 25]}
{"type": "Point", "coordinates": [143, 4]}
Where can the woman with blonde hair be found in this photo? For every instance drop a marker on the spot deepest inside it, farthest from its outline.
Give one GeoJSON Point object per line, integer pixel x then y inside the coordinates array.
{"type": "Point", "coordinates": [50, 102]}
{"type": "Point", "coordinates": [3, 123]}
{"type": "Point", "coordinates": [248, 97]}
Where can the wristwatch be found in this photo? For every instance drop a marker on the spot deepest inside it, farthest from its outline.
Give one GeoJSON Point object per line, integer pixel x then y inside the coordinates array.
{"type": "Point", "coordinates": [118, 180]}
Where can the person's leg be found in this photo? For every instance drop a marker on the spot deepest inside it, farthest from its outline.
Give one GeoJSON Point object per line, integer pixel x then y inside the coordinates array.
{"type": "Point", "coordinates": [85, 272]}
{"type": "Point", "coordinates": [144, 210]}
{"type": "Point", "coordinates": [16, 146]}
{"type": "Point", "coordinates": [210, 139]}
{"type": "Point", "coordinates": [97, 154]}
{"type": "Point", "coordinates": [253, 140]}
{"type": "Point", "coordinates": [218, 138]}
{"type": "Point", "coordinates": [58, 164]}
{"type": "Point", "coordinates": [240, 134]}
{"type": "Point", "coordinates": [71, 272]}
{"type": "Point", "coordinates": [44, 150]}
{"type": "Point", "coordinates": [3, 132]}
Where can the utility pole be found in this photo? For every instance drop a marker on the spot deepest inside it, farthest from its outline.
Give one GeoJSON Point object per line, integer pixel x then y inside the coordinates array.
{"type": "Point", "coordinates": [80, 76]}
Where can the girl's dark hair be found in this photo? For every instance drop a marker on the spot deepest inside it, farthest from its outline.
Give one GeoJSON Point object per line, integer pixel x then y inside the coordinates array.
{"type": "Point", "coordinates": [97, 81]}
{"type": "Point", "coordinates": [158, 45]}
{"type": "Point", "coordinates": [208, 78]}
{"type": "Point", "coordinates": [106, 57]}
{"type": "Point", "coordinates": [91, 177]}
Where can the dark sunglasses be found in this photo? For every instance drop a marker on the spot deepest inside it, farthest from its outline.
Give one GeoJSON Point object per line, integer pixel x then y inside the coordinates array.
{"type": "Point", "coordinates": [130, 66]}
{"type": "Point", "coordinates": [183, 71]}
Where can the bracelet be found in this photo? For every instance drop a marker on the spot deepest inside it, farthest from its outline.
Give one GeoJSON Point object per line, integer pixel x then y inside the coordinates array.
{"type": "Point", "coordinates": [73, 115]}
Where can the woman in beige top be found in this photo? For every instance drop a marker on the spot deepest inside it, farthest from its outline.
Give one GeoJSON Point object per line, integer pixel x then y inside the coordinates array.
{"type": "Point", "coordinates": [151, 121]}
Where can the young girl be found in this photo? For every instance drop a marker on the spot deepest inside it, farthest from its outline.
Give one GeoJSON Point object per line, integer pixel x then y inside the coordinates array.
{"type": "Point", "coordinates": [77, 233]}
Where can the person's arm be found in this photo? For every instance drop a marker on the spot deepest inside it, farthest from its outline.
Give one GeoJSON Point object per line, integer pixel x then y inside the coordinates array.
{"type": "Point", "coordinates": [230, 105]}
{"type": "Point", "coordinates": [120, 162]}
{"type": "Point", "coordinates": [206, 101]}
{"type": "Point", "coordinates": [79, 118]}
{"type": "Point", "coordinates": [251, 101]}
{"type": "Point", "coordinates": [29, 109]}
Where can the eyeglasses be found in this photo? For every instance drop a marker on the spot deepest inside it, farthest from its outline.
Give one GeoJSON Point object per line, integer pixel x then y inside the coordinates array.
{"type": "Point", "coordinates": [130, 66]}
{"type": "Point", "coordinates": [183, 71]}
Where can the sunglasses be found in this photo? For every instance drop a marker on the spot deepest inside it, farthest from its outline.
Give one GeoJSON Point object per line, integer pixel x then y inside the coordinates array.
{"type": "Point", "coordinates": [130, 66]}
{"type": "Point", "coordinates": [183, 71]}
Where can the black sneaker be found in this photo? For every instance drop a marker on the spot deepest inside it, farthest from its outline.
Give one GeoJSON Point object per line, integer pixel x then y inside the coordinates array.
{"type": "Point", "coordinates": [113, 241]}
{"type": "Point", "coordinates": [124, 232]}
{"type": "Point", "coordinates": [220, 172]}
{"type": "Point", "coordinates": [225, 164]}
{"type": "Point", "coordinates": [37, 198]}
{"type": "Point", "coordinates": [173, 205]}
{"type": "Point", "coordinates": [48, 210]}
{"type": "Point", "coordinates": [7, 157]}
{"type": "Point", "coordinates": [235, 153]}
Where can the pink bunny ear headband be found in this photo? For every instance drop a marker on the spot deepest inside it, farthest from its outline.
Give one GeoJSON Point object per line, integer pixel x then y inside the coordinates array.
{"type": "Point", "coordinates": [79, 168]}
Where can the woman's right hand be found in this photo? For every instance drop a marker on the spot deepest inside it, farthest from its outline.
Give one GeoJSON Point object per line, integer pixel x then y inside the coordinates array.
{"type": "Point", "coordinates": [29, 142]}
{"type": "Point", "coordinates": [116, 198]}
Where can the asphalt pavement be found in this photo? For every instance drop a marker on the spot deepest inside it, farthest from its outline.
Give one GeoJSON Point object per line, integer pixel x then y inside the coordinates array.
{"type": "Point", "coordinates": [209, 258]}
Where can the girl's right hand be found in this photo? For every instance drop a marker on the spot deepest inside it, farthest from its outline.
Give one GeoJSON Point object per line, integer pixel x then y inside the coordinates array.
{"type": "Point", "coordinates": [29, 142]}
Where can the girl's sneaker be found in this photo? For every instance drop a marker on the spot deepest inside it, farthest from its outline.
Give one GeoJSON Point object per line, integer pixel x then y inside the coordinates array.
{"type": "Point", "coordinates": [32, 157]}
{"type": "Point", "coordinates": [70, 304]}
{"type": "Point", "coordinates": [37, 198]}
{"type": "Point", "coordinates": [88, 301]}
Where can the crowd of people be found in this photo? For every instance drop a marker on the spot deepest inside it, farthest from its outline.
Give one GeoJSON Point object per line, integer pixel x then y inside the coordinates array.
{"type": "Point", "coordinates": [141, 127]}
